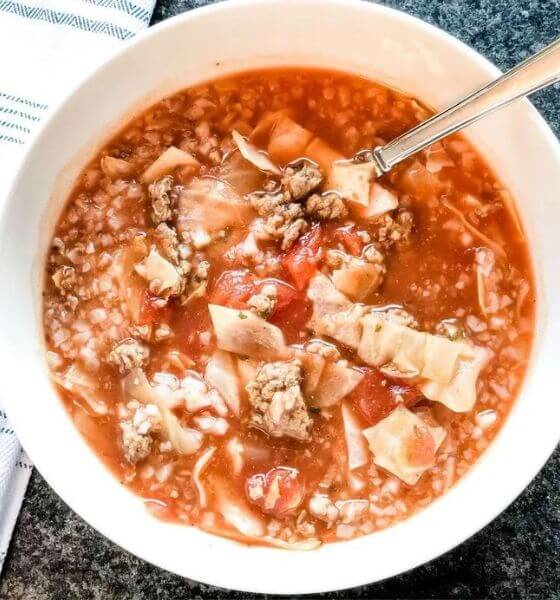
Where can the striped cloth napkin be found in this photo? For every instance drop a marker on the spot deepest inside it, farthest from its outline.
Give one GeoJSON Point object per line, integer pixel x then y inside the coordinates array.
{"type": "Point", "coordinates": [47, 47]}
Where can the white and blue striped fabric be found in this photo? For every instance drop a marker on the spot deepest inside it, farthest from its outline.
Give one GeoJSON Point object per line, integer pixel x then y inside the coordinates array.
{"type": "Point", "coordinates": [47, 46]}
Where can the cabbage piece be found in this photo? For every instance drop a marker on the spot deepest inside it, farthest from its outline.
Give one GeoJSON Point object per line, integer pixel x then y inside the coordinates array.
{"type": "Point", "coordinates": [441, 356]}
{"type": "Point", "coordinates": [198, 292]}
{"type": "Point", "coordinates": [408, 358]}
{"type": "Point", "coordinates": [345, 326]}
{"type": "Point", "coordinates": [166, 162]}
{"type": "Point", "coordinates": [353, 181]}
{"type": "Point", "coordinates": [199, 466]}
{"type": "Point", "coordinates": [243, 332]}
{"type": "Point", "coordinates": [449, 368]}
{"type": "Point", "coordinates": [384, 341]}
{"type": "Point", "coordinates": [404, 444]}
{"type": "Point", "coordinates": [356, 447]}
{"type": "Point", "coordinates": [209, 204]}
{"type": "Point", "coordinates": [77, 381]}
{"type": "Point", "coordinates": [321, 153]}
{"type": "Point", "coordinates": [240, 174]}
{"type": "Point", "coordinates": [260, 539]}
{"type": "Point", "coordinates": [326, 300]}
{"type": "Point", "coordinates": [303, 545]}
{"type": "Point", "coordinates": [246, 370]}
{"type": "Point", "coordinates": [357, 278]}
{"type": "Point", "coordinates": [254, 155]}
{"type": "Point", "coordinates": [131, 286]}
{"type": "Point", "coordinates": [312, 365]}
{"type": "Point", "coordinates": [333, 313]}
{"type": "Point", "coordinates": [336, 382]}
{"type": "Point", "coordinates": [288, 140]}
{"type": "Point", "coordinates": [155, 268]}
{"type": "Point", "coordinates": [509, 205]}
{"type": "Point", "coordinates": [459, 395]}
{"type": "Point", "coordinates": [267, 123]}
{"type": "Point", "coordinates": [485, 262]}
{"type": "Point", "coordinates": [137, 386]}
{"type": "Point", "coordinates": [381, 340]}
{"type": "Point", "coordinates": [381, 201]}
{"type": "Point", "coordinates": [116, 167]}
{"type": "Point", "coordinates": [183, 439]}
{"type": "Point", "coordinates": [221, 374]}
{"type": "Point", "coordinates": [412, 353]}
{"type": "Point", "coordinates": [235, 511]}
{"type": "Point", "coordinates": [495, 246]}
{"type": "Point", "coordinates": [236, 453]}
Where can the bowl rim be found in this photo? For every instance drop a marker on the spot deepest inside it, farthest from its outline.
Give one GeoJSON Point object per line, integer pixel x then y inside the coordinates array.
{"type": "Point", "coordinates": [351, 578]}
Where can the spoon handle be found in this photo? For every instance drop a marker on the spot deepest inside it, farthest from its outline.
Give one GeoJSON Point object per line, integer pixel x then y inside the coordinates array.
{"type": "Point", "coordinates": [534, 73]}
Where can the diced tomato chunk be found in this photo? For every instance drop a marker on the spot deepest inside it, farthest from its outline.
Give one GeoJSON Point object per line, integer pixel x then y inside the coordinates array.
{"type": "Point", "coordinates": [349, 237]}
{"type": "Point", "coordinates": [292, 319]}
{"type": "Point", "coordinates": [233, 289]}
{"type": "Point", "coordinates": [151, 311]}
{"type": "Point", "coordinates": [301, 261]}
{"type": "Point", "coordinates": [278, 492]}
{"type": "Point", "coordinates": [292, 310]}
{"type": "Point", "coordinates": [189, 322]}
{"type": "Point", "coordinates": [376, 395]}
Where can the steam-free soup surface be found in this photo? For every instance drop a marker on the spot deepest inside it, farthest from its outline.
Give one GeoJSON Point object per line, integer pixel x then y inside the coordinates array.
{"type": "Point", "coordinates": [262, 339]}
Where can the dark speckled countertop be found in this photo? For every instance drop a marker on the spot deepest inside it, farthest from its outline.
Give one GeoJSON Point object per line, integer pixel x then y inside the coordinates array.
{"type": "Point", "coordinates": [55, 555]}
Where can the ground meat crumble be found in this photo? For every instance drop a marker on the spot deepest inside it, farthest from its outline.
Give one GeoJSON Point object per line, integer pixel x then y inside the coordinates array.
{"type": "Point", "coordinates": [301, 179]}
{"type": "Point", "coordinates": [278, 407]}
{"type": "Point", "coordinates": [286, 223]}
{"type": "Point", "coordinates": [264, 303]}
{"type": "Point", "coordinates": [127, 355]}
{"type": "Point", "coordinates": [396, 227]}
{"type": "Point", "coordinates": [136, 432]}
{"type": "Point", "coordinates": [162, 201]}
{"type": "Point", "coordinates": [283, 209]}
{"type": "Point", "coordinates": [326, 206]}
{"type": "Point", "coordinates": [168, 242]}
{"type": "Point", "coordinates": [65, 279]}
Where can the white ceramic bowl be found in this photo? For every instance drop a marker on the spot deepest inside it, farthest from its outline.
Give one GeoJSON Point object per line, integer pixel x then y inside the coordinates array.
{"type": "Point", "coordinates": [361, 38]}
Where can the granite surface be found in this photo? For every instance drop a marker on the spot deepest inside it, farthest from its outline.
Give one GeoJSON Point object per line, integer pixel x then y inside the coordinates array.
{"type": "Point", "coordinates": [55, 555]}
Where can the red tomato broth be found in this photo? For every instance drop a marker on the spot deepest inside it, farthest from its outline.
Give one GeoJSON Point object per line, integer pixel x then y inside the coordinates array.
{"type": "Point", "coordinates": [431, 275]}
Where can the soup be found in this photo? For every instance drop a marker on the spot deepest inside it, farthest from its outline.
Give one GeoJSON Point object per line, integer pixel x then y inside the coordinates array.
{"type": "Point", "coordinates": [261, 338]}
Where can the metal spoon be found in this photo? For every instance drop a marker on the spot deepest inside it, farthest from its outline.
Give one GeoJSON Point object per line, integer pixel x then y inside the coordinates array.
{"type": "Point", "coordinates": [534, 73]}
